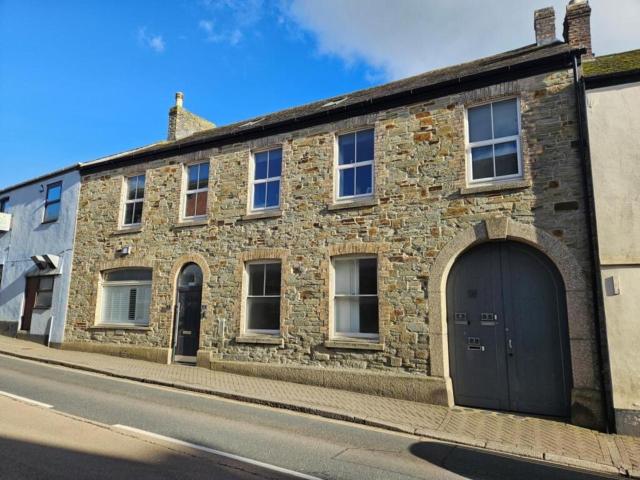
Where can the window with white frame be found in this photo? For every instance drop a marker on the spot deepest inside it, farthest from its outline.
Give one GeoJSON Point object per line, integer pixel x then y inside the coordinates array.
{"type": "Point", "coordinates": [52, 202]}
{"type": "Point", "coordinates": [494, 141]}
{"type": "Point", "coordinates": [44, 293]}
{"type": "Point", "coordinates": [265, 181]}
{"type": "Point", "coordinates": [263, 297]}
{"type": "Point", "coordinates": [197, 190]}
{"type": "Point", "coordinates": [126, 297]}
{"type": "Point", "coordinates": [355, 297]}
{"type": "Point", "coordinates": [355, 165]}
{"type": "Point", "coordinates": [134, 201]}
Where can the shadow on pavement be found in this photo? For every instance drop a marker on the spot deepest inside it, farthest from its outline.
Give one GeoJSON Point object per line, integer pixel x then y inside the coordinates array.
{"type": "Point", "coordinates": [479, 464]}
{"type": "Point", "coordinates": [21, 460]}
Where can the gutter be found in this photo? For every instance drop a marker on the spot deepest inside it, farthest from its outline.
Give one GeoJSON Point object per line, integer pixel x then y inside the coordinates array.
{"type": "Point", "coordinates": [587, 184]}
{"type": "Point", "coordinates": [41, 178]}
{"type": "Point", "coordinates": [433, 91]}
{"type": "Point", "coordinates": [610, 79]}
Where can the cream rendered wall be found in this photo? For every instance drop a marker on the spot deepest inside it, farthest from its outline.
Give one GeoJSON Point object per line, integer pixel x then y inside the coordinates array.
{"type": "Point", "coordinates": [614, 134]}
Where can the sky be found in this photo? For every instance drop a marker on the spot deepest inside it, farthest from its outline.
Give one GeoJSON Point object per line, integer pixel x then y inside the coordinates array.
{"type": "Point", "coordinates": [87, 78]}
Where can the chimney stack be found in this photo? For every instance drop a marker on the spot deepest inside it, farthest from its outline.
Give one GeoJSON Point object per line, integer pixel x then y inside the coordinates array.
{"type": "Point", "coordinates": [577, 25]}
{"type": "Point", "coordinates": [183, 123]}
{"type": "Point", "coordinates": [545, 26]}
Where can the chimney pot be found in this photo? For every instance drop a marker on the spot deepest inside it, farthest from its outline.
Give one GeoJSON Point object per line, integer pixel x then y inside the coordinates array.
{"type": "Point", "coordinates": [544, 21]}
{"type": "Point", "coordinates": [179, 99]}
{"type": "Point", "coordinates": [577, 25]}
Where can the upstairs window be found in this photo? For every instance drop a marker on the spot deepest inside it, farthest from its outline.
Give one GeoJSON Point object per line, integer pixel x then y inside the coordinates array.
{"type": "Point", "coordinates": [197, 191]}
{"type": "Point", "coordinates": [355, 165]}
{"type": "Point", "coordinates": [134, 201]}
{"type": "Point", "coordinates": [265, 182]}
{"type": "Point", "coordinates": [44, 293]}
{"type": "Point", "coordinates": [4, 204]}
{"type": "Point", "coordinates": [126, 297]}
{"type": "Point", "coordinates": [263, 298]}
{"type": "Point", "coordinates": [52, 203]}
{"type": "Point", "coordinates": [494, 141]}
{"type": "Point", "coordinates": [355, 297]}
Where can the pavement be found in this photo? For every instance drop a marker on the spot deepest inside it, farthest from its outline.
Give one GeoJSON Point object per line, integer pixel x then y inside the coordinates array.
{"type": "Point", "coordinates": [537, 439]}
{"type": "Point", "coordinates": [36, 443]}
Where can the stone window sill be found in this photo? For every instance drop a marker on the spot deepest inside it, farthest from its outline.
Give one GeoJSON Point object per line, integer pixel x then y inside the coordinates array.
{"type": "Point", "coordinates": [261, 340]}
{"type": "Point", "coordinates": [114, 326]}
{"type": "Point", "coordinates": [496, 187]}
{"type": "Point", "coordinates": [190, 223]}
{"type": "Point", "coordinates": [354, 344]}
{"type": "Point", "coordinates": [367, 202]}
{"type": "Point", "coordinates": [127, 230]}
{"type": "Point", "coordinates": [262, 214]}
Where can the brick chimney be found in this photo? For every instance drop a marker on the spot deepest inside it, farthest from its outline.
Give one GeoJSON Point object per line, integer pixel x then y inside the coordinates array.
{"type": "Point", "coordinates": [577, 25]}
{"type": "Point", "coordinates": [183, 123]}
{"type": "Point", "coordinates": [544, 22]}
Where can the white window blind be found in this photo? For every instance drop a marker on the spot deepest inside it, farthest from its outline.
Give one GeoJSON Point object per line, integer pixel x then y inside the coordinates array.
{"type": "Point", "coordinates": [126, 302]}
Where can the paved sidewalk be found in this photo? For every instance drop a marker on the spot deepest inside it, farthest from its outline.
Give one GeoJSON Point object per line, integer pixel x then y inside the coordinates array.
{"type": "Point", "coordinates": [531, 437]}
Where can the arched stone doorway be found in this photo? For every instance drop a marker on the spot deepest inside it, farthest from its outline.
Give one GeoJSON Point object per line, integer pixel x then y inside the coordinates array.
{"type": "Point", "coordinates": [186, 329]}
{"type": "Point", "coordinates": [508, 334]}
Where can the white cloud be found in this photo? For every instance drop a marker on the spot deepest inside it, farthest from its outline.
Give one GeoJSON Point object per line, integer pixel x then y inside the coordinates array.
{"type": "Point", "coordinates": [401, 38]}
{"type": "Point", "coordinates": [236, 16]}
{"type": "Point", "coordinates": [154, 42]}
{"type": "Point", "coordinates": [232, 37]}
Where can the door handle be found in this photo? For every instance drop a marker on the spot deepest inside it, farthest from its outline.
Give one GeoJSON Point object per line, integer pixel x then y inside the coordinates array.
{"type": "Point", "coordinates": [510, 345]}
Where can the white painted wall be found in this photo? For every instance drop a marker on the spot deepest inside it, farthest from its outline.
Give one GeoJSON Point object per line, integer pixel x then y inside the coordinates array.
{"type": "Point", "coordinates": [614, 134]}
{"type": "Point", "coordinates": [29, 236]}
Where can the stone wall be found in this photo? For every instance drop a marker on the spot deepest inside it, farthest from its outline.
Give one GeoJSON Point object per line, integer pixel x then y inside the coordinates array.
{"type": "Point", "coordinates": [421, 204]}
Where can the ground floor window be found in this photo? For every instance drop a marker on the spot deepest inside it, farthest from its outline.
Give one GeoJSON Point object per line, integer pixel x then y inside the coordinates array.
{"type": "Point", "coordinates": [355, 297]}
{"type": "Point", "coordinates": [263, 298]}
{"type": "Point", "coordinates": [126, 296]}
{"type": "Point", "coordinates": [44, 293]}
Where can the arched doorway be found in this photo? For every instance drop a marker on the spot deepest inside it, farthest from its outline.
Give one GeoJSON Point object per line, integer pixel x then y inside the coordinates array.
{"type": "Point", "coordinates": [186, 333]}
{"type": "Point", "coordinates": [508, 334]}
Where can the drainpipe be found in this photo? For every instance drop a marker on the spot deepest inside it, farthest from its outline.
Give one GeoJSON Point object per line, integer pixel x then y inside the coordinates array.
{"type": "Point", "coordinates": [587, 184]}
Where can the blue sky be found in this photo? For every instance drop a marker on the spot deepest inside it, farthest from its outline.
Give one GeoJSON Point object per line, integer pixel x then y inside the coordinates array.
{"type": "Point", "coordinates": [84, 79]}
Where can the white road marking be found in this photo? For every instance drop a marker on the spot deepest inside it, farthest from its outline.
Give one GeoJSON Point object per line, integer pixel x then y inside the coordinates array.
{"type": "Point", "coordinates": [25, 400]}
{"type": "Point", "coordinates": [257, 463]}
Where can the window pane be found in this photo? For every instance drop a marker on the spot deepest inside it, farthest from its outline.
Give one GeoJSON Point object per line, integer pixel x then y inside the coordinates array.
{"type": "Point", "coordinates": [128, 213]}
{"type": "Point", "coordinates": [364, 148]}
{"type": "Point", "coordinates": [128, 275]}
{"type": "Point", "coordinates": [261, 160]}
{"type": "Point", "coordinates": [344, 277]}
{"type": "Point", "coordinates": [263, 313]}
{"type": "Point", "coordinates": [275, 162]}
{"type": "Point", "coordinates": [190, 209]}
{"type": "Point", "coordinates": [346, 148]}
{"type": "Point", "coordinates": [273, 193]}
{"type": "Point", "coordinates": [364, 181]}
{"type": "Point", "coordinates": [346, 315]}
{"type": "Point", "coordinates": [260, 195]}
{"type": "Point", "coordinates": [346, 182]}
{"type": "Point", "coordinates": [137, 212]}
{"type": "Point", "coordinates": [191, 276]}
{"type": "Point", "coordinates": [368, 314]}
{"type": "Point", "coordinates": [256, 279]}
{"type": "Point", "coordinates": [203, 175]}
{"type": "Point", "coordinates": [52, 212]}
{"type": "Point", "coordinates": [46, 283]}
{"type": "Point", "coordinates": [53, 193]}
{"type": "Point", "coordinates": [272, 285]}
{"type": "Point", "coordinates": [479, 123]}
{"type": "Point", "coordinates": [368, 276]}
{"type": "Point", "coordinates": [505, 118]}
{"type": "Point", "coordinates": [482, 159]}
{"type": "Point", "coordinates": [126, 304]}
{"type": "Point", "coordinates": [201, 203]}
{"type": "Point", "coordinates": [132, 184]}
{"type": "Point", "coordinates": [192, 183]}
{"type": "Point", "coordinates": [43, 299]}
{"type": "Point", "coordinates": [506, 159]}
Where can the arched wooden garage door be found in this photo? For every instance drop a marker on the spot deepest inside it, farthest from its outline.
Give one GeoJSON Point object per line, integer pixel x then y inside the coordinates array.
{"type": "Point", "coordinates": [508, 338]}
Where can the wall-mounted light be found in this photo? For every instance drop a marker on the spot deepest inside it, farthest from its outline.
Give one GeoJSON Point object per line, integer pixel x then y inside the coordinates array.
{"type": "Point", "coordinates": [124, 251]}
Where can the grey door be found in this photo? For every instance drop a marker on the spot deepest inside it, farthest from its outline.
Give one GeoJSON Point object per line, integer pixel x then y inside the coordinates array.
{"type": "Point", "coordinates": [508, 338]}
{"type": "Point", "coordinates": [188, 311]}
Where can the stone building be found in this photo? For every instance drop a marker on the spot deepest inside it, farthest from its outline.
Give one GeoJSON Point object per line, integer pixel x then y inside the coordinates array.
{"type": "Point", "coordinates": [426, 239]}
{"type": "Point", "coordinates": [613, 113]}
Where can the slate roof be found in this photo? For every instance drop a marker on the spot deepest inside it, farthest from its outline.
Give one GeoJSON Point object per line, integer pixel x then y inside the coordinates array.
{"type": "Point", "coordinates": [349, 104]}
